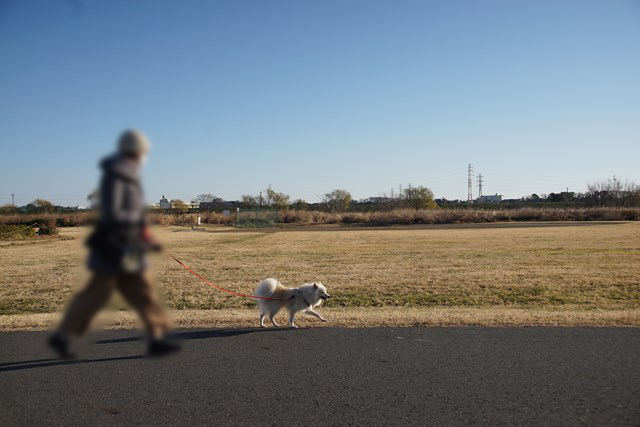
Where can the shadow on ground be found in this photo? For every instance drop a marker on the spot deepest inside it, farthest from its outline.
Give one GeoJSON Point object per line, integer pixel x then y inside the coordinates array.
{"type": "Point", "coordinates": [180, 336]}
{"type": "Point", "coordinates": [43, 363]}
{"type": "Point", "coordinates": [196, 335]}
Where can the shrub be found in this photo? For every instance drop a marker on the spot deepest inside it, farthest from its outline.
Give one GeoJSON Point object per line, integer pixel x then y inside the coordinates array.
{"type": "Point", "coordinates": [48, 228]}
{"type": "Point", "coordinates": [61, 220]}
{"type": "Point", "coordinates": [8, 209]}
{"type": "Point", "coordinates": [15, 232]}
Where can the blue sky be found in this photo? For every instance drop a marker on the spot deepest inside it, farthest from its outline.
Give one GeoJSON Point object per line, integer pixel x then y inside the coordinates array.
{"type": "Point", "coordinates": [309, 96]}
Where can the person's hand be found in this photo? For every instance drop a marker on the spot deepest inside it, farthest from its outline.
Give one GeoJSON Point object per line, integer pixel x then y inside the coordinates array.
{"type": "Point", "coordinates": [150, 242]}
{"type": "Point", "coordinates": [154, 246]}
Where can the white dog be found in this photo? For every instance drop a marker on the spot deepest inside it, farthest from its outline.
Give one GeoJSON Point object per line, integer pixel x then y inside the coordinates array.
{"type": "Point", "coordinates": [304, 299]}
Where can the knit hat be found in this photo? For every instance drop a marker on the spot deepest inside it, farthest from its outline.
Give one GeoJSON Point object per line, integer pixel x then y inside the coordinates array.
{"type": "Point", "coordinates": [133, 142]}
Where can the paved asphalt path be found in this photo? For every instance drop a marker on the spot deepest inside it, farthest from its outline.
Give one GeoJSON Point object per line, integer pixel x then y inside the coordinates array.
{"type": "Point", "coordinates": [326, 376]}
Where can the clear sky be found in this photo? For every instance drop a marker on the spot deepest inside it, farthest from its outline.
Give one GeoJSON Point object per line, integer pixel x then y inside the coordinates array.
{"type": "Point", "coordinates": [309, 96]}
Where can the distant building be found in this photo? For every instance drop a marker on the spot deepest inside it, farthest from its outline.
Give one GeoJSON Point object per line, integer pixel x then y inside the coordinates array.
{"type": "Point", "coordinates": [497, 198]}
{"type": "Point", "coordinates": [376, 200]}
{"type": "Point", "coordinates": [217, 205]}
{"type": "Point", "coordinates": [165, 203]}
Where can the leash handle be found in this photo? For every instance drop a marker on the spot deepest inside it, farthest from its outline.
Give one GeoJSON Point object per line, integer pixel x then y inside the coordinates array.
{"type": "Point", "coordinates": [229, 291]}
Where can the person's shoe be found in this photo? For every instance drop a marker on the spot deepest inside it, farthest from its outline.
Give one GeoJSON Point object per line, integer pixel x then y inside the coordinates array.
{"type": "Point", "coordinates": [61, 345]}
{"type": "Point", "coordinates": [163, 347]}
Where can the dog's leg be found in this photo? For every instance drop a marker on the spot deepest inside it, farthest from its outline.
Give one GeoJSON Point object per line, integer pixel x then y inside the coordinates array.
{"type": "Point", "coordinates": [262, 325]}
{"type": "Point", "coordinates": [273, 311]}
{"type": "Point", "coordinates": [315, 314]}
{"type": "Point", "coordinates": [292, 315]}
{"type": "Point", "coordinates": [273, 320]}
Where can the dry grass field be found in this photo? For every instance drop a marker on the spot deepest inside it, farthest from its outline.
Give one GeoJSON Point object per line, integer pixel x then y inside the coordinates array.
{"type": "Point", "coordinates": [566, 274]}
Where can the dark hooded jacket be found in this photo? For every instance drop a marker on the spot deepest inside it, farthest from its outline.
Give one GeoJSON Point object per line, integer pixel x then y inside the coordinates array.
{"type": "Point", "coordinates": [122, 215]}
{"type": "Point", "coordinates": [121, 195]}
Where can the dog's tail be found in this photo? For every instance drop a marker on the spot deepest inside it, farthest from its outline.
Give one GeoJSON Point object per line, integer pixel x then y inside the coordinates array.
{"type": "Point", "coordinates": [266, 288]}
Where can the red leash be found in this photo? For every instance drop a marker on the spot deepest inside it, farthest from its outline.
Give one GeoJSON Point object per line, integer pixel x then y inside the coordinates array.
{"type": "Point", "coordinates": [223, 289]}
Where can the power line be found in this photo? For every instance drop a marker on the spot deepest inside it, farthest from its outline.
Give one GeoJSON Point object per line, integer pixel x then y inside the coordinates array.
{"type": "Point", "coordinates": [479, 185]}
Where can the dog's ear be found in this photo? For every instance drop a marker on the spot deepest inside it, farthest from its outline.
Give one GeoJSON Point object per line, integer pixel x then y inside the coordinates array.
{"type": "Point", "coordinates": [315, 285]}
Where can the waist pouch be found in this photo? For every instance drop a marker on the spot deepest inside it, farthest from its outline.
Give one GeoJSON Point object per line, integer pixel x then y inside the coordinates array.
{"type": "Point", "coordinates": [113, 244]}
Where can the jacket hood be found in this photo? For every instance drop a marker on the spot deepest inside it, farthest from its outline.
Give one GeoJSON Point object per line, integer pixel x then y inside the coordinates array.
{"type": "Point", "coordinates": [122, 166]}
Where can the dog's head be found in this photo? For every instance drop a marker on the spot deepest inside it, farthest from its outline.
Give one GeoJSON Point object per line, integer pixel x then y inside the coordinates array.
{"type": "Point", "coordinates": [320, 292]}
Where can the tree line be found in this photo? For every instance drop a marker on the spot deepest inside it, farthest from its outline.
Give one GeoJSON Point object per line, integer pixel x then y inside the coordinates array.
{"type": "Point", "coordinates": [612, 192]}
{"type": "Point", "coordinates": [338, 200]}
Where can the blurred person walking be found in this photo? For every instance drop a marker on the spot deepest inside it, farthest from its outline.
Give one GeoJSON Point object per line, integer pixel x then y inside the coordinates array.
{"type": "Point", "coordinates": [118, 248]}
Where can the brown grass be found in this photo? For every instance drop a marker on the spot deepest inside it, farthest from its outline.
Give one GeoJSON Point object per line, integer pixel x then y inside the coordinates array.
{"type": "Point", "coordinates": [460, 216]}
{"type": "Point", "coordinates": [539, 273]}
{"type": "Point", "coordinates": [191, 219]}
{"type": "Point", "coordinates": [76, 219]}
{"type": "Point", "coordinates": [357, 318]}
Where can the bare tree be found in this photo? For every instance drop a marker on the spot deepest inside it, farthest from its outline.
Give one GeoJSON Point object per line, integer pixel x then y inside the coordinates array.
{"type": "Point", "coordinates": [179, 205]}
{"type": "Point", "coordinates": [419, 198]}
{"type": "Point", "coordinates": [613, 193]}
{"type": "Point", "coordinates": [42, 205]}
{"type": "Point", "coordinates": [337, 200]}
{"type": "Point", "coordinates": [94, 198]}
{"type": "Point", "coordinates": [249, 202]}
{"type": "Point", "coordinates": [300, 205]}
{"type": "Point", "coordinates": [276, 200]}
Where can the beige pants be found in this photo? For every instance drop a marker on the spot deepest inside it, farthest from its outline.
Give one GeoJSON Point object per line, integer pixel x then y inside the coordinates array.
{"type": "Point", "coordinates": [137, 289]}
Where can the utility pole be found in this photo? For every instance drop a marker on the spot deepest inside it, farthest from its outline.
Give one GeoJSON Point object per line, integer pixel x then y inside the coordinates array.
{"type": "Point", "coordinates": [13, 199]}
{"type": "Point", "coordinates": [469, 184]}
{"type": "Point", "coordinates": [479, 185]}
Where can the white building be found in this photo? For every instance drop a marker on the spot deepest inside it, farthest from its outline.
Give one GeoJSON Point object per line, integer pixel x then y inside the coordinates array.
{"type": "Point", "coordinates": [165, 203]}
{"type": "Point", "coordinates": [497, 198]}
